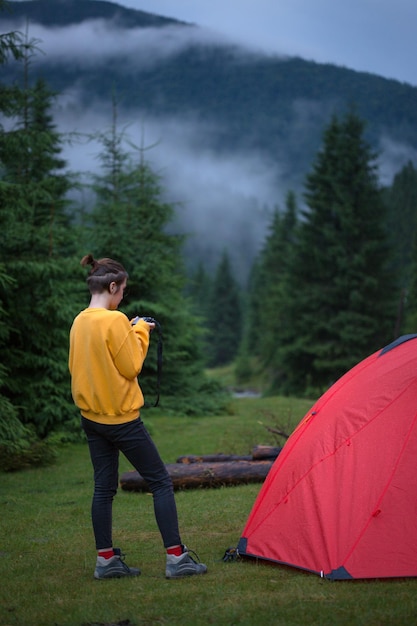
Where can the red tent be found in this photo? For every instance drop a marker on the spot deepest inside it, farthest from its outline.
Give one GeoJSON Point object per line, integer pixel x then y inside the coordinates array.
{"type": "Point", "coordinates": [341, 498]}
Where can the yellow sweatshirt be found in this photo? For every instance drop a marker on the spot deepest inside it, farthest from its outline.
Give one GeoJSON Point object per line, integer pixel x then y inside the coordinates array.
{"type": "Point", "coordinates": [105, 357]}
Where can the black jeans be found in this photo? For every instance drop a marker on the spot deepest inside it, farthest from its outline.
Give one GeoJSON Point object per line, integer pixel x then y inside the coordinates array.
{"type": "Point", "coordinates": [133, 440]}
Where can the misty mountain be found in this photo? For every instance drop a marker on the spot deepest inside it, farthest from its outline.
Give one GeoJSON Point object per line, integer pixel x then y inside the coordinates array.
{"type": "Point", "coordinates": [233, 128]}
{"type": "Point", "coordinates": [64, 13]}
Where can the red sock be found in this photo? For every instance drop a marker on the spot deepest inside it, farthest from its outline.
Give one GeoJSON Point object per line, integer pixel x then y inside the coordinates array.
{"type": "Point", "coordinates": [107, 554]}
{"type": "Point", "coordinates": [176, 550]}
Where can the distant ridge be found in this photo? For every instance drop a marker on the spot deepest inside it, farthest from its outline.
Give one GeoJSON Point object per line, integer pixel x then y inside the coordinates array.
{"type": "Point", "coordinates": [69, 12]}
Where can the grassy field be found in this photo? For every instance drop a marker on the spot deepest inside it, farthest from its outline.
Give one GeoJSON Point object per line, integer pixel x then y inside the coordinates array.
{"type": "Point", "coordinates": [47, 553]}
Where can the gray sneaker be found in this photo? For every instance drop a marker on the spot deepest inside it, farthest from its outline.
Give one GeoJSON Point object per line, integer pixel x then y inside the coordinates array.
{"type": "Point", "coordinates": [184, 565]}
{"type": "Point", "coordinates": [115, 567]}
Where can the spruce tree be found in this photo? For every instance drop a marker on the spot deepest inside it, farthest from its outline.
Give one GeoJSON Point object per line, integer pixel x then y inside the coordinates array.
{"type": "Point", "coordinates": [401, 201]}
{"type": "Point", "coordinates": [224, 316]}
{"type": "Point", "coordinates": [268, 317]}
{"type": "Point", "coordinates": [255, 293]}
{"type": "Point", "coordinates": [129, 222]}
{"type": "Point", "coordinates": [13, 435]}
{"type": "Point", "coordinates": [35, 235]}
{"type": "Point", "coordinates": [198, 288]}
{"type": "Point", "coordinates": [342, 298]}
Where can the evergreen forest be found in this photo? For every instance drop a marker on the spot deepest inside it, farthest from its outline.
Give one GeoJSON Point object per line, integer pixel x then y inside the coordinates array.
{"type": "Point", "coordinates": [334, 280]}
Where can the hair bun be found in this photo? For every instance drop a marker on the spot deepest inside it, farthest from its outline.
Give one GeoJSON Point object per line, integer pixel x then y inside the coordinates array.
{"type": "Point", "coordinates": [88, 259]}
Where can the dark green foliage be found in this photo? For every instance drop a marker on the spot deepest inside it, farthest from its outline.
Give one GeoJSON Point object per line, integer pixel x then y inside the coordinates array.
{"type": "Point", "coordinates": [255, 290]}
{"type": "Point", "coordinates": [35, 294]}
{"type": "Point", "coordinates": [401, 201]}
{"type": "Point", "coordinates": [224, 316]}
{"type": "Point", "coordinates": [342, 296]}
{"type": "Point", "coordinates": [268, 310]}
{"type": "Point", "coordinates": [408, 311]}
{"type": "Point", "coordinates": [20, 447]}
{"type": "Point", "coordinates": [198, 288]}
{"type": "Point", "coordinates": [268, 315]}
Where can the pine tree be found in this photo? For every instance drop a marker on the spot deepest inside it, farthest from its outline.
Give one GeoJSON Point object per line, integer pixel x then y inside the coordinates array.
{"type": "Point", "coordinates": [342, 295]}
{"type": "Point", "coordinates": [401, 201]}
{"type": "Point", "coordinates": [34, 235]}
{"type": "Point", "coordinates": [224, 316]}
{"type": "Point", "coordinates": [268, 311]}
{"type": "Point", "coordinates": [198, 288]}
{"type": "Point", "coordinates": [255, 293]}
{"type": "Point", "coordinates": [129, 223]}
{"type": "Point", "coordinates": [13, 435]}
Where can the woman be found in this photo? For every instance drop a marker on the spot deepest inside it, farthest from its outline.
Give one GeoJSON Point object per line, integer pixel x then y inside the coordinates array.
{"type": "Point", "coordinates": [105, 357]}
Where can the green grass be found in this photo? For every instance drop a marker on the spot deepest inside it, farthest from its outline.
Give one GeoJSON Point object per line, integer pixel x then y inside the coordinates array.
{"type": "Point", "coordinates": [47, 552]}
{"type": "Point", "coordinates": [226, 375]}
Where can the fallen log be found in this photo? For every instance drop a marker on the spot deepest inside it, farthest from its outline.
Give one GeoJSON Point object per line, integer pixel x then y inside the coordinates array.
{"type": "Point", "coordinates": [190, 476]}
{"type": "Point", "coordinates": [213, 458]}
{"type": "Point", "coordinates": [265, 452]}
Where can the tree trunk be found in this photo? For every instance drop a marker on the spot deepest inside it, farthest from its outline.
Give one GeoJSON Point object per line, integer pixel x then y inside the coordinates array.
{"type": "Point", "coordinates": [212, 458]}
{"type": "Point", "coordinates": [188, 476]}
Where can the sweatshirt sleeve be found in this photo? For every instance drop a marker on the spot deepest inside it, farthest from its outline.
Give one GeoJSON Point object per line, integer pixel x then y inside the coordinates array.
{"type": "Point", "coordinates": [133, 349]}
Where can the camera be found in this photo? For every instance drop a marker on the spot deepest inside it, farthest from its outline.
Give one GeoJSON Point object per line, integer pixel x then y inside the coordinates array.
{"type": "Point", "coordinates": [149, 320]}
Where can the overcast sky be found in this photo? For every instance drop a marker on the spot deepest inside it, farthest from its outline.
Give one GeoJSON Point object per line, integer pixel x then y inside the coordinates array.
{"type": "Point", "coordinates": [377, 36]}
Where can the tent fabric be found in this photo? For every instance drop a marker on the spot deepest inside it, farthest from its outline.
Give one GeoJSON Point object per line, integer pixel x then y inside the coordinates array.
{"type": "Point", "coordinates": [341, 498]}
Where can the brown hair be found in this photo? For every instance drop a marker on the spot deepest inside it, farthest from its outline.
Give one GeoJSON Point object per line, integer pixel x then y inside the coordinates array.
{"type": "Point", "coordinates": [102, 273]}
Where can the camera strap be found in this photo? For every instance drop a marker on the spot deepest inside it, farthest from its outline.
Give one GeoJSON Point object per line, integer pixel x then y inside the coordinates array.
{"type": "Point", "coordinates": [159, 348]}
